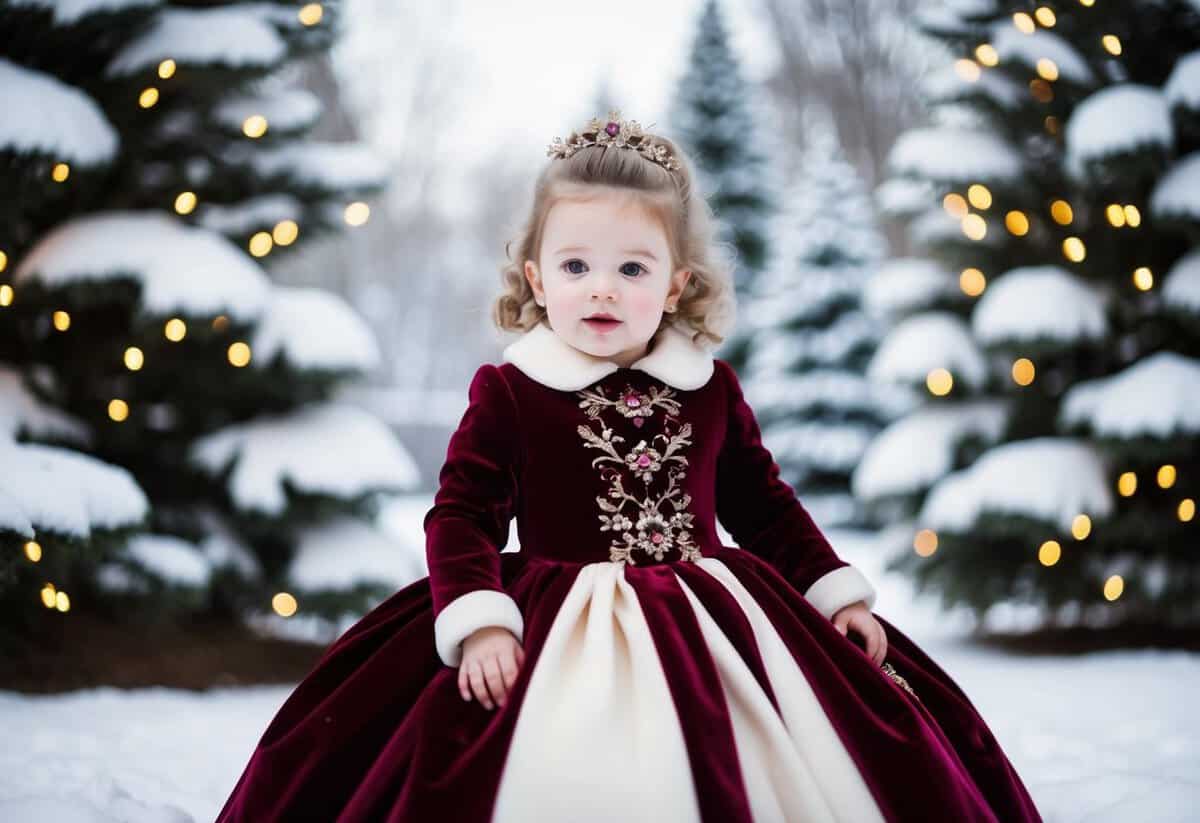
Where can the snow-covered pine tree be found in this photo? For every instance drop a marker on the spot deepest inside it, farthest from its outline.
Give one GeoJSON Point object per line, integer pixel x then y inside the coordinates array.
{"type": "Point", "coordinates": [170, 436]}
{"type": "Point", "coordinates": [806, 374]}
{"type": "Point", "coordinates": [1056, 462]}
{"type": "Point", "coordinates": [713, 117]}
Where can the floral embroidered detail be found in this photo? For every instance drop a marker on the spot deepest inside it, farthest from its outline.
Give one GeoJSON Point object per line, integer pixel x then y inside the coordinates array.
{"type": "Point", "coordinates": [895, 675]}
{"type": "Point", "coordinates": [651, 529]}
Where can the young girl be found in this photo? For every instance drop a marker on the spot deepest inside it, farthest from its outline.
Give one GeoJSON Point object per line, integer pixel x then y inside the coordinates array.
{"type": "Point", "coordinates": [624, 664]}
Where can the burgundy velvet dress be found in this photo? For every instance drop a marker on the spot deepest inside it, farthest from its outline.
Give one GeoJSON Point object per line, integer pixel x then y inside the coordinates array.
{"type": "Point", "coordinates": [667, 677]}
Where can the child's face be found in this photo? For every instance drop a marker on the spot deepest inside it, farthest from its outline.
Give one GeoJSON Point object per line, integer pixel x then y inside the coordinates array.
{"type": "Point", "coordinates": [605, 254]}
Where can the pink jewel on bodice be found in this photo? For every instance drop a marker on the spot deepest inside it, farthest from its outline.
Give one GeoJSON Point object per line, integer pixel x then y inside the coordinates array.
{"type": "Point", "coordinates": [657, 538]}
{"type": "Point", "coordinates": [632, 401]}
{"type": "Point", "coordinates": [638, 421]}
{"type": "Point", "coordinates": [644, 460]}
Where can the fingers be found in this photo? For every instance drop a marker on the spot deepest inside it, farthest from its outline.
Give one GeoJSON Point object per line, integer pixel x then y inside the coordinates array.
{"type": "Point", "coordinates": [491, 677]}
{"type": "Point", "coordinates": [478, 687]}
{"type": "Point", "coordinates": [494, 680]}
{"type": "Point", "coordinates": [463, 684]}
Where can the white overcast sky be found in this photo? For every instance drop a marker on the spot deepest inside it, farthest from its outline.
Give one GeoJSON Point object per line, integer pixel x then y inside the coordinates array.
{"type": "Point", "coordinates": [530, 68]}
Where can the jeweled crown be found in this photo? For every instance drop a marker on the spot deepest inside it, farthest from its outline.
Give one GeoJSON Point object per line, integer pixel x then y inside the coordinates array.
{"type": "Point", "coordinates": [623, 134]}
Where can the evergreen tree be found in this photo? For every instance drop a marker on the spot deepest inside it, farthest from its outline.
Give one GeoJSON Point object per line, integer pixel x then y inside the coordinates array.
{"type": "Point", "coordinates": [1056, 329]}
{"type": "Point", "coordinates": [169, 432]}
{"type": "Point", "coordinates": [713, 119]}
{"type": "Point", "coordinates": [812, 339]}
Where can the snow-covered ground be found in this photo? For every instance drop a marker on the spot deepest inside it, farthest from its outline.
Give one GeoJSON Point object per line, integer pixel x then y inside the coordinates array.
{"type": "Point", "coordinates": [1097, 737]}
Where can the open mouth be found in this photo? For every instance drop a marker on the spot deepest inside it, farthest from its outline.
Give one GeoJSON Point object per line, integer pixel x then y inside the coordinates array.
{"type": "Point", "coordinates": [601, 323]}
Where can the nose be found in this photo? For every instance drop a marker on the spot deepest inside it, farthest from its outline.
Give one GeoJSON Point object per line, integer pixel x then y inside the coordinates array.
{"type": "Point", "coordinates": [603, 286]}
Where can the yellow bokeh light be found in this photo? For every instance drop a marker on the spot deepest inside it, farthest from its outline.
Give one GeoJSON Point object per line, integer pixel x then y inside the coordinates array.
{"type": "Point", "coordinates": [1186, 510]}
{"type": "Point", "coordinates": [1061, 212]}
{"type": "Point", "coordinates": [33, 550]}
{"type": "Point", "coordinates": [1112, 44]}
{"type": "Point", "coordinates": [1143, 278]}
{"type": "Point", "coordinates": [972, 282]}
{"type": "Point", "coordinates": [1115, 215]}
{"type": "Point", "coordinates": [979, 196]}
{"type": "Point", "coordinates": [1088, 3]}
{"type": "Point", "coordinates": [311, 14]}
{"type": "Point", "coordinates": [3, 261]}
{"type": "Point", "coordinates": [62, 320]}
{"type": "Point", "coordinates": [1041, 90]}
{"type": "Point", "coordinates": [1166, 476]}
{"type": "Point", "coordinates": [955, 205]}
{"type": "Point", "coordinates": [1024, 23]}
{"type": "Point", "coordinates": [1074, 250]}
{"type": "Point", "coordinates": [261, 244]}
{"type": "Point", "coordinates": [134, 358]}
{"type": "Point", "coordinates": [1047, 69]}
{"type": "Point", "coordinates": [1017, 223]}
{"type": "Point", "coordinates": [175, 329]}
{"type": "Point", "coordinates": [1023, 371]}
{"type": "Point", "coordinates": [220, 323]}
{"type": "Point", "coordinates": [285, 232]}
{"type": "Point", "coordinates": [939, 382]}
{"type": "Point", "coordinates": [239, 353]}
{"type": "Point", "coordinates": [967, 69]}
{"type": "Point", "coordinates": [48, 598]}
{"type": "Point", "coordinates": [62, 602]}
{"type": "Point", "coordinates": [118, 410]}
{"type": "Point", "coordinates": [166, 69]}
{"type": "Point", "coordinates": [974, 227]}
{"type": "Point", "coordinates": [1081, 526]}
{"type": "Point", "coordinates": [6, 295]}
{"type": "Point", "coordinates": [60, 172]}
{"type": "Point", "coordinates": [1050, 124]}
{"type": "Point", "coordinates": [148, 97]}
{"type": "Point", "coordinates": [1113, 587]}
{"type": "Point", "coordinates": [986, 54]}
{"type": "Point", "coordinates": [284, 604]}
{"type": "Point", "coordinates": [925, 542]}
{"type": "Point", "coordinates": [185, 202]}
{"type": "Point", "coordinates": [254, 126]}
{"type": "Point", "coordinates": [1127, 484]}
{"type": "Point", "coordinates": [1133, 217]}
{"type": "Point", "coordinates": [1045, 16]}
{"type": "Point", "coordinates": [357, 213]}
{"type": "Point", "coordinates": [1049, 553]}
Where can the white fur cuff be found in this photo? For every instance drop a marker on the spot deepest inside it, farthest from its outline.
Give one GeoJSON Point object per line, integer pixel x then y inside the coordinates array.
{"type": "Point", "coordinates": [838, 589]}
{"type": "Point", "coordinates": [471, 611]}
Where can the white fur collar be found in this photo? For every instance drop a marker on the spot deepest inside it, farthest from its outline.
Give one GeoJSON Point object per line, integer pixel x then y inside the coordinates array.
{"type": "Point", "coordinates": [550, 360]}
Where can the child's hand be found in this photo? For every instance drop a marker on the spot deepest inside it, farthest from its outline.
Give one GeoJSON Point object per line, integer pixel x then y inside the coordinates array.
{"type": "Point", "coordinates": [490, 661]}
{"type": "Point", "coordinates": [859, 617]}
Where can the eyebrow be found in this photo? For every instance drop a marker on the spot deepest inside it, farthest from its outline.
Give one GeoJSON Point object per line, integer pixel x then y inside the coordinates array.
{"type": "Point", "coordinates": [642, 252]}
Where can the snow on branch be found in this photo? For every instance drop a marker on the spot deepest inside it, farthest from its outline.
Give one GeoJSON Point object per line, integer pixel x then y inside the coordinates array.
{"type": "Point", "coordinates": [232, 36]}
{"type": "Point", "coordinates": [928, 341]}
{"type": "Point", "coordinates": [1122, 119]}
{"type": "Point", "coordinates": [1033, 303]}
{"type": "Point", "coordinates": [1158, 396]}
{"type": "Point", "coordinates": [22, 411]}
{"type": "Point", "coordinates": [1177, 195]}
{"type": "Point", "coordinates": [44, 115]}
{"type": "Point", "coordinates": [954, 156]}
{"type": "Point", "coordinates": [314, 329]}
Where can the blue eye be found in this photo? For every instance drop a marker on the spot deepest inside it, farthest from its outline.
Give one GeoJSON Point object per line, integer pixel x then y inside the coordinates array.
{"type": "Point", "coordinates": [640, 267]}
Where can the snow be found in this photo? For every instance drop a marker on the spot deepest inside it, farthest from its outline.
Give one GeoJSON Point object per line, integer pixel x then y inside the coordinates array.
{"type": "Point", "coordinates": [250, 215]}
{"type": "Point", "coordinates": [314, 329]}
{"type": "Point", "coordinates": [905, 284]}
{"type": "Point", "coordinates": [330, 166]}
{"type": "Point", "coordinates": [1158, 397]}
{"type": "Point", "coordinates": [928, 341]}
{"type": "Point", "coordinates": [841, 389]}
{"type": "Point", "coordinates": [1177, 194]}
{"type": "Point", "coordinates": [913, 452]}
{"type": "Point", "coordinates": [1182, 88]}
{"type": "Point", "coordinates": [1039, 303]}
{"type": "Point", "coordinates": [44, 115]}
{"type": "Point", "coordinates": [163, 755]}
{"type": "Point", "coordinates": [827, 345]}
{"type": "Point", "coordinates": [66, 492]}
{"type": "Point", "coordinates": [286, 110]}
{"type": "Point", "coordinates": [1013, 45]}
{"type": "Point", "coordinates": [937, 226]}
{"type": "Point", "coordinates": [333, 449]}
{"type": "Point", "coordinates": [170, 558]}
{"type": "Point", "coordinates": [1116, 120]}
{"type": "Point", "coordinates": [181, 269]}
{"type": "Point", "coordinates": [822, 445]}
{"type": "Point", "coordinates": [1181, 286]}
{"type": "Point", "coordinates": [1043, 478]}
{"type": "Point", "coordinates": [946, 84]}
{"type": "Point", "coordinates": [67, 12]}
{"type": "Point", "coordinates": [955, 156]}
{"type": "Point", "coordinates": [232, 37]}
{"type": "Point", "coordinates": [22, 411]}
{"type": "Point", "coordinates": [903, 196]}
{"type": "Point", "coordinates": [346, 552]}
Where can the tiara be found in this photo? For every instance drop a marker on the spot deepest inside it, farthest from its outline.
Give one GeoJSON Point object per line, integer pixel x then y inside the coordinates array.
{"type": "Point", "coordinates": [624, 134]}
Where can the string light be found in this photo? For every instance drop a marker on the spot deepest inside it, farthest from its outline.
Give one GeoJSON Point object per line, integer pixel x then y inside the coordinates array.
{"type": "Point", "coordinates": [62, 320]}
{"type": "Point", "coordinates": [1045, 16]}
{"type": "Point", "coordinates": [1023, 371]}
{"type": "Point", "coordinates": [1074, 250]}
{"type": "Point", "coordinates": [1112, 44]}
{"type": "Point", "coordinates": [357, 213]}
{"type": "Point", "coordinates": [1132, 216]}
{"type": "Point", "coordinates": [925, 542]}
{"type": "Point", "coordinates": [48, 596]}
{"type": "Point", "coordinates": [1061, 212]}
{"type": "Point", "coordinates": [1143, 279]}
{"type": "Point", "coordinates": [955, 205]}
{"type": "Point", "coordinates": [285, 232]}
{"type": "Point", "coordinates": [239, 354]}
{"type": "Point", "coordinates": [1113, 587]}
{"type": "Point", "coordinates": [979, 196]}
{"type": "Point", "coordinates": [1041, 90]}
{"type": "Point", "coordinates": [1166, 476]}
{"type": "Point", "coordinates": [118, 410]}
{"type": "Point", "coordinates": [1049, 553]}
{"type": "Point", "coordinates": [134, 359]}
{"type": "Point", "coordinates": [1127, 484]}
{"type": "Point", "coordinates": [62, 602]}
{"type": "Point", "coordinates": [260, 244]}
{"type": "Point", "coordinates": [1115, 215]}
{"type": "Point", "coordinates": [974, 227]}
{"type": "Point", "coordinates": [148, 97]}
{"type": "Point", "coordinates": [166, 69]}
{"type": "Point", "coordinates": [1186, 510]}
{"type": "Point", "coordinates": [1047, 69]}
{"type": "Point", "coordinates": [986, 54]}
{"type": "Point", "coordinates": [972, 282]}
{"type": "Point", "coordinates": [185, 202]}
{"type": "Point", "coordinates": [33, 550]}
{"type": "Point", "coordinates": [254, 126]}
{"type": "Point", "coordinates": [1017, 223]}
{"type": "Point", "coordinates": [61, 172]}
{"type": "Point", "coordinates": [175, 329]}
{"type": "Point", "coordinates": [939, 382]}
{"type": "Point", "coordinates": [220, 323]}
{"type": "Point", "coordinates": [311, 14]}
{"type": "Point", "coordinates": [1081, 526]}
{"type": "Point", "coordinates": [284, 604]}
{"type": "Point", "coordinates": [3, 261]}
{"type": "Point", "coordinates": [967, 69]}
{"type": "Point", "coordinates": [1024, 23]}
{"type": "Point", "coordinates": [6, 295]}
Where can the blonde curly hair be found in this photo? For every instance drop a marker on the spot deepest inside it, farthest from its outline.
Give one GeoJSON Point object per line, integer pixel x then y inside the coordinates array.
{"type": "Point", "coordinates": [707, 307]}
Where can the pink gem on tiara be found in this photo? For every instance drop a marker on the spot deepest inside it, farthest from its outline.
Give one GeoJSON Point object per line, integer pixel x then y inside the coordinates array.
{"type": "Point", "coordinates": [612, 129]}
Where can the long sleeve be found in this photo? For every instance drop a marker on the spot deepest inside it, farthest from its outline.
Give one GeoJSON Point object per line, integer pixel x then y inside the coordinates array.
{"type": "Point", "coordinates": [468, 525]}
{"type": "Point", "coordinates": [762, 513]}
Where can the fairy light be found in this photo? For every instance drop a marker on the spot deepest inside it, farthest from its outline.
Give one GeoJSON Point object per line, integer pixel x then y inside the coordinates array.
{"type": "Point", "coordinates": [62, 602]}
{"type": "Point", "coordinates": [955, 205]}
{"type": "Point", "coordinates": [62, 320]}
{"type": "Point", "coordinates": [175, 329]}
{"type": "Point", "coordinates": [1081, 526]}
{"type": "Point", "coordinates": [1017, 223]}
{"type": "Point", "coordinates": [134, 358]}
{"type": "Point", "coordinates": [1186, 510]}
{"type": "Point", "coordinates": [925, 542]}
{"type": "Point", "coordinates": [972, 282]}
{"type": "Point", "coordinates": [1047, 69]}
{"type": "Point", "coordinates": [1061, 212]}
{"type": "Point", "coordinates": [1127, 484]}
{"type": "Point", "coordinates": [60, 172]}
{"type": "Point", "coordinates": [6, 295]}
{"type": "Point", "coordinates": [33, 550]}
{"type": "Point", "coordinates": [284, 604]}
{"type": "Point", "coordinates": [979, 196]}
{"type": "Point", "coordinates": [939, 381]}
{"type": "Point", "coordinates": [967, 69]}
{"type": "Point", "coordinates": [254, 126]}
{"type": "Point", "coordinates": [310, 14]}
{"type": "Point", "coordinates": [1133, 217]}
{"type": "Point", "coordinates": [285, 232]}
{"type": "Point", "coordinates": [148, 97]}
{"type": "Point", "coordinates": [185, 202]}
{"type": "Point", "coordinates": [118, 410]}
{"type": "Point", "coordinates": [974, 227]}
{"type": "Point", "coordinates": [166, 69]}
{"type": "Point", "coordinates": [239, 354]}
{"type": "Point", "coordinates": [1074, 249]}
{"type": "Point", "coordinates": [260, 244]}
{"type": "Point", "coordinates": [1045, 16]}
{"type": "Point", "coordinates": [1115, 215]}
{"type": "Point", "coordinates": [1143, 278]}
{"type": "Point", "coordinates": [1113, 587]}
{"type": "Point", "coordinates": [1024, 23]}
{"type": "Point", "coordinates": [357, 213]}
{"type": "Point", "coordinates": [986, 54]}
{"type": "Point", "coordinates": [1023, 371]}
{"type": "Point", "coordinates": [1049, 553]}
{"type": "Point", "coordinates": [48, 596]}
{"type": "Point", "coordinates": [1112, 44]}
{"type": "Point", "coordinates": [1166, 476]}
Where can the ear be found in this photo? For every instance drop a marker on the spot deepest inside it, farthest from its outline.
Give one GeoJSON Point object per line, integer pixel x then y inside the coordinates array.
{"type": "Point", "coordinates": [535, 279]}
{"type": "Point", "coordinates": [679, 281]}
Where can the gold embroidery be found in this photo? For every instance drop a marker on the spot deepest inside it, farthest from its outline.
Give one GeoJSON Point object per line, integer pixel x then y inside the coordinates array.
{"type": "Point", "coordinates": [650, 529]}
{"type": "Point", "coordinates": [895, 675]}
